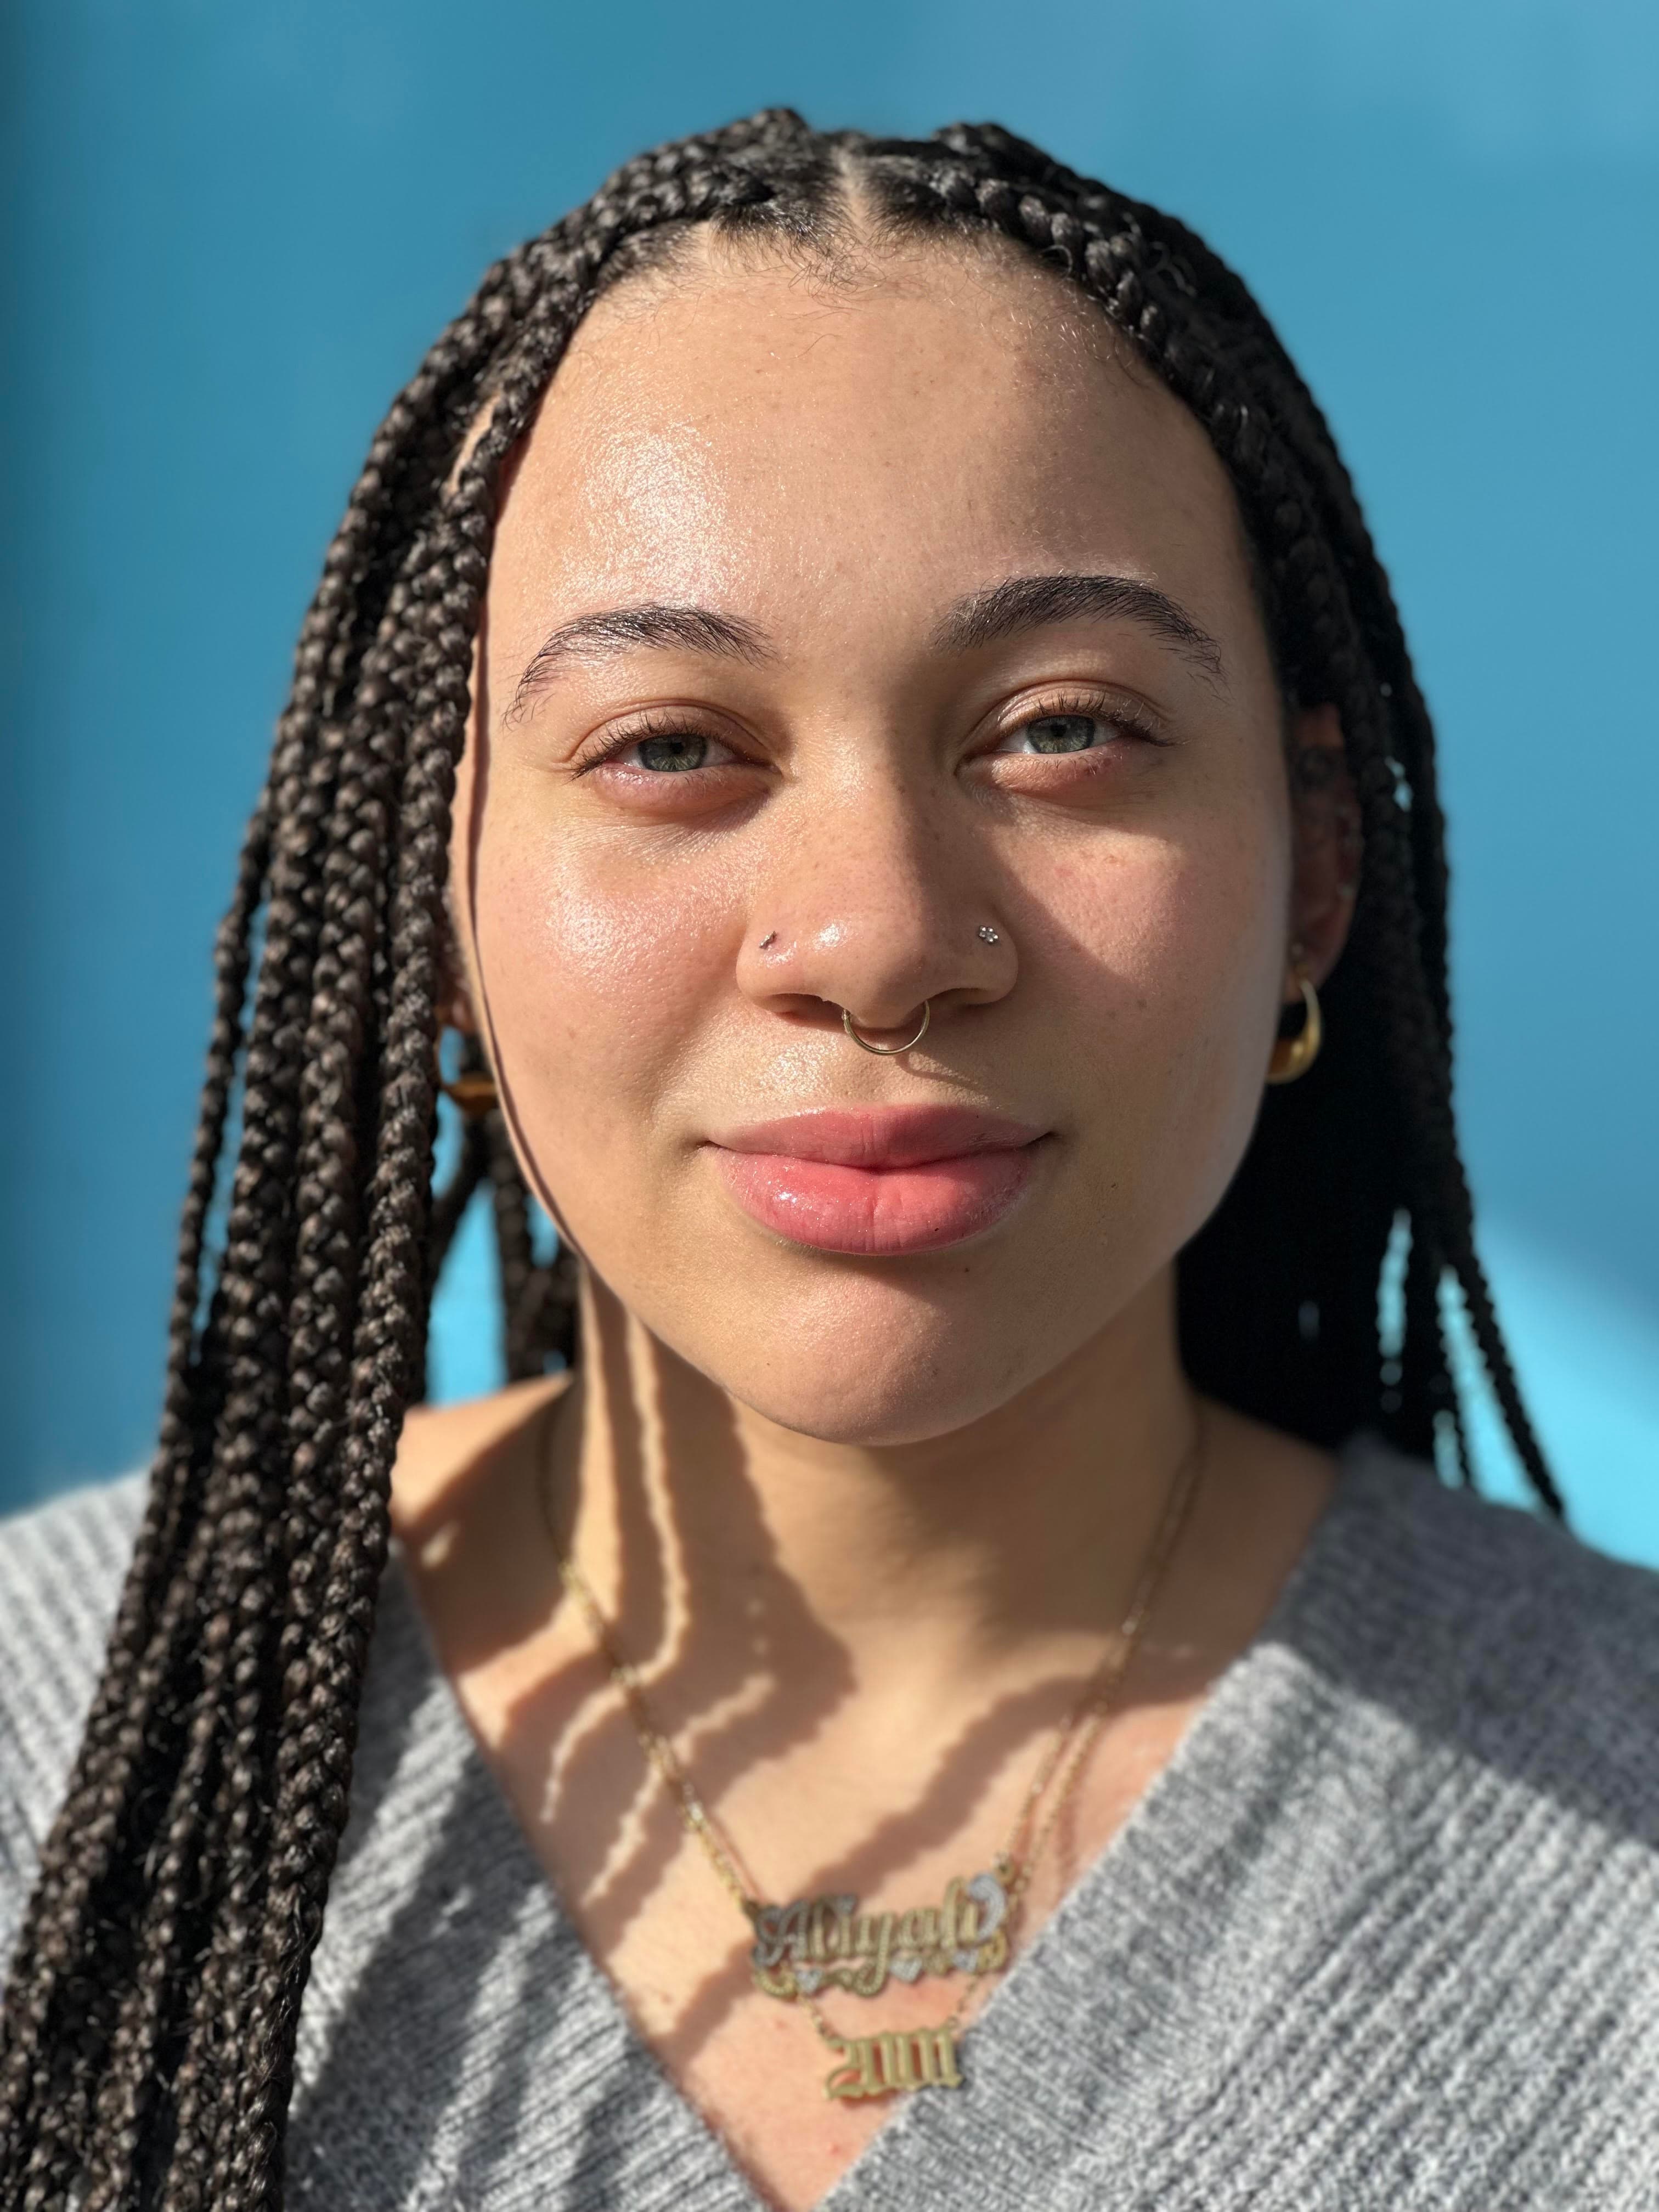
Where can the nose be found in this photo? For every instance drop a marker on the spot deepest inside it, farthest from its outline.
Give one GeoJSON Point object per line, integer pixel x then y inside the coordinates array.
{"type": "Point", "coordinates": [879, 902]}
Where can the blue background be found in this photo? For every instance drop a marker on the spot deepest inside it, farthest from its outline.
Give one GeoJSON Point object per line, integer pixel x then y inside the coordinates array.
{"type": "Point", "coordinates": [231, 232]}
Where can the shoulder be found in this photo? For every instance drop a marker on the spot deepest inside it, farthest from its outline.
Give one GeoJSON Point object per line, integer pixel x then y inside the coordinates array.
{"type": "Point", "coordinates": [1415, 1844]}
{"type": "Point", "coordinates": [1492, 1634]}
{"type": "Point", "coordinates": [62, 1566]}
{"type": "Point", "coordinates": [442, 1445]}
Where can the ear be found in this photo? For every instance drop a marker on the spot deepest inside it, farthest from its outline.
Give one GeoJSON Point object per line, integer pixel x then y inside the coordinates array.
{"type": "Point", "coordinates": [1325, 844]}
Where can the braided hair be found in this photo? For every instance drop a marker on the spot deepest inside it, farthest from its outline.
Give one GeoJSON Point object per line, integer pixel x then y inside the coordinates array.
{"type": "Point", "coordinates": [148, 2044]}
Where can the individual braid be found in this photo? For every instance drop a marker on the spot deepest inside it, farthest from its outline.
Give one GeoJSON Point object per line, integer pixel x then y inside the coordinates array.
{"type": "Point", "coordinates": [538, 1297]}
{"type": "Point", "coordinates": [146, 2047]}
{"type": "Point", "coordinates": [450, 1200]}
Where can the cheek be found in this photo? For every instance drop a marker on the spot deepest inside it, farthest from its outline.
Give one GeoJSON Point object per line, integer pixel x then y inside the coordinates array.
{"type": "Point", "coordinates": [1178, 928]}
{"type": "Point", "coordinates": [1168, 963]}
{"type": "Point", "coordinates": [595, 975]}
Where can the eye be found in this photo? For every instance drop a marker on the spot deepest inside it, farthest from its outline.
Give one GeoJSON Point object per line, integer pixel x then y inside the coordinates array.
{"type": "Point", "coordinates": [665, 767]}
{"type": "Point", "coordinates": [1073, 729]}
{"type": "Point", "coordinates": [655, 755]}
{"type": "Point", "coordinates": [1072, 747]}
{"type": "Point", "coordinates": [1057, 733]}
{"type": "Point", "coordinates": [673, 756]}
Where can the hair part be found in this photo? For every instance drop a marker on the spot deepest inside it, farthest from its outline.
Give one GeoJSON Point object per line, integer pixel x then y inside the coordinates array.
{"type": "Point", "coordinates": [146, 2047]}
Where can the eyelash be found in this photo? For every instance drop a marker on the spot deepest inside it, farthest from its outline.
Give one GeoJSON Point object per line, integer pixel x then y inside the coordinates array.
{"type": "Point", "coordinates": [654, 722]}
{"type": "Point", "coordinates": [1112, 713]}
{"type": "Point", "coordinates": [1094, 706]}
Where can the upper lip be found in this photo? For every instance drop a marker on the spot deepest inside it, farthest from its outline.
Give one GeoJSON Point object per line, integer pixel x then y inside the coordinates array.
{"type": "Point", "coordinates": [881, 1136]}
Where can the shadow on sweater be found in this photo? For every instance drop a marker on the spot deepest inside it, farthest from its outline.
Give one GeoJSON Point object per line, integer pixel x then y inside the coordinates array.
{"type": "Point", "coordinates": [457, 2023]}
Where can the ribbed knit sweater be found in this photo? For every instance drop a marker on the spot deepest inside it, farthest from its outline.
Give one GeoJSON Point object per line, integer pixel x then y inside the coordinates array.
{"type": "Point", "coordinates": [1383, 1935]}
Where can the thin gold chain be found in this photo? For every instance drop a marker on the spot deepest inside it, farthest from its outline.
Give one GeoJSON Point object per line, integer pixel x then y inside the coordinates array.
{"type": "Point", "coordinates": [727, 1862]}
{"type": "Point", "coordinates": [1066, 1756]}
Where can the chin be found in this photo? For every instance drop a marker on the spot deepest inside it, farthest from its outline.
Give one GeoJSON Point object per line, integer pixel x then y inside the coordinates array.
{"type": "Point", "coordinates": [855, 1357]}
{"type": "Point", "coordinates": [896, 1406]}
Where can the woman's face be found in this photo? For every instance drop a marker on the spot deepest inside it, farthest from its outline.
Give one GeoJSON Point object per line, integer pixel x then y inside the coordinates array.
{"type": "Point", "coordinates": [859, 648]}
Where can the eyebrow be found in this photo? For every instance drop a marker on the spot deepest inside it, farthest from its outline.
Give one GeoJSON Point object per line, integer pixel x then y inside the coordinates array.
{"type": "Point", "coordinates": [1023, 603]}
{"type": "Point", "coordinates": [1019, 602]}
{"type": "Point", "coordinates": [621, 630]}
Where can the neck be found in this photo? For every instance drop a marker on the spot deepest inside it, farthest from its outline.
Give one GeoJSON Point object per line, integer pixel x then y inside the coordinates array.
{"type": "Point", "coordinates": [925, 1565]}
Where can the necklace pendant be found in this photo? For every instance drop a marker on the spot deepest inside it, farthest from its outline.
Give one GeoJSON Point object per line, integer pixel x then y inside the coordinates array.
{"type": "Point", "coordinates": [826, 1942]}
{"type": "Point", "coordinates": [893, 2065]}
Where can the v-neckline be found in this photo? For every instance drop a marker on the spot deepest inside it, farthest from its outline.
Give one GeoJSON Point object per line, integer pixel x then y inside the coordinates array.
{"type": "Point", "coordinates": [1109, 1899]}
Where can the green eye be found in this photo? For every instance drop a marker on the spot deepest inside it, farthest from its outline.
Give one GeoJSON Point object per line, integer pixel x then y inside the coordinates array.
{"type": "Point", "coordinates": [1061, 733]}
{"type": "Point", "coordinates": [670, 755]}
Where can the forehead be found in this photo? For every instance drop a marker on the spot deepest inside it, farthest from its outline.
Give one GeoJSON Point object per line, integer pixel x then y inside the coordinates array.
{"type": "Point", "coordinates": [797, 448]}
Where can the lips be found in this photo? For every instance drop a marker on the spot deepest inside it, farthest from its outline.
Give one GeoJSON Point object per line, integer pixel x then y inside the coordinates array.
{"type": "Point", "coordinates": [880, 1181]}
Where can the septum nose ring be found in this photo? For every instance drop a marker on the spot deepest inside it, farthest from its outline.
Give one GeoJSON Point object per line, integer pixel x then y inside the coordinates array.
{"type": "Point", "coordinates": [887, 1051]}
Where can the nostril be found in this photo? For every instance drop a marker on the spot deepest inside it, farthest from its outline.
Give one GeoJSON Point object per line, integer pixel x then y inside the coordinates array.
{"type": "Point", "coordinates": [802, 1006]}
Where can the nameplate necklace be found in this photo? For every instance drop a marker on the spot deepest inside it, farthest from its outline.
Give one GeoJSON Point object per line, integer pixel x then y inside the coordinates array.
{"type": "Point", "coordinates": [814, 1945]}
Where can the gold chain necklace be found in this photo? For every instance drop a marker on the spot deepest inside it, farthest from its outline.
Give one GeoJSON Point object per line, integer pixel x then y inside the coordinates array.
{"type": "Point", "coordinates": [815, 1942]}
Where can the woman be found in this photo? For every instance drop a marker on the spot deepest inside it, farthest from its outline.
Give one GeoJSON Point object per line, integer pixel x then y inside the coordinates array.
{"type": "Point", "coordinates": [855, 678]}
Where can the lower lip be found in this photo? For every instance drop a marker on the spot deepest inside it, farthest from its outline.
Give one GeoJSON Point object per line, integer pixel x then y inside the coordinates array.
{"type": "Point", "coordinates": [878, 1212]}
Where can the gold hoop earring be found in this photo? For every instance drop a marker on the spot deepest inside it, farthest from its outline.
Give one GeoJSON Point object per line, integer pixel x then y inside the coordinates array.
{"type": "Point", "coordinates": [887, 1051]}
{"type": "Point", "coordinates": [1294, 1056]}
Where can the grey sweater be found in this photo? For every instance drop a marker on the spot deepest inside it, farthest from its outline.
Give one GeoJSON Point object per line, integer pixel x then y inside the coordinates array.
{"type": "Point", "coordinates": [1383, 1935]}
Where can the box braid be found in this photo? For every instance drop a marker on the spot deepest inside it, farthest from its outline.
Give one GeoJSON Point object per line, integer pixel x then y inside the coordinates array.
{"type": "Point", "coordinates": [148, 2039]}
{"type": "Point", "coordinates": [538, 1300]}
